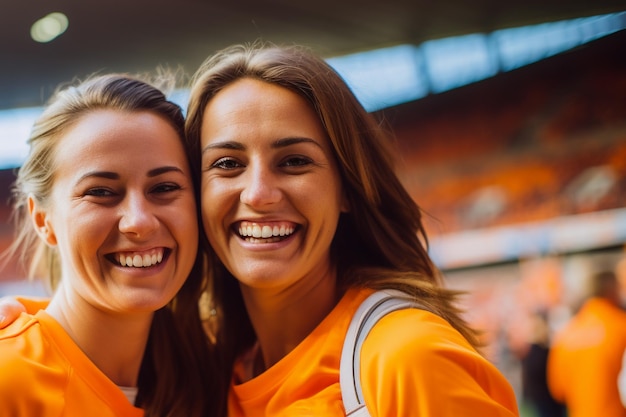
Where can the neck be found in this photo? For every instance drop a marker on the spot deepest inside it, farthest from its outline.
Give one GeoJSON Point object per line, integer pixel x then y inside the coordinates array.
{"type": "Point", "coordinates": [283, 319]}
{"type": "Point", "coordinates": [115, 343]}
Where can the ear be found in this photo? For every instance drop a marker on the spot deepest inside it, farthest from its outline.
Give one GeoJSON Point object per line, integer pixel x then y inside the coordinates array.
{"type": "Point", "coordinates": [41, 221]}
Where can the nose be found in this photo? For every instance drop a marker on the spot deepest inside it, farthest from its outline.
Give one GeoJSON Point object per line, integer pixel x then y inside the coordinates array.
{"type": "Point", "coordinates": [260, 187]}
{"type": "Point", "coordinates": [137, 216]}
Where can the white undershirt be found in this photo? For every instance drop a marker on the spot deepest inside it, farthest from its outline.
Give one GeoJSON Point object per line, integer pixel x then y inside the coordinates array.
{"type": "Point", "coordinates": [130, 393]}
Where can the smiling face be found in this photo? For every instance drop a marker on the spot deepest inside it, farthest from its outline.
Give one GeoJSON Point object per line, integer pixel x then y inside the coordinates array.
{"type": "Point", "coordinates": [122, 211]}
{"type": "Point", "coordinates": [271, 191]}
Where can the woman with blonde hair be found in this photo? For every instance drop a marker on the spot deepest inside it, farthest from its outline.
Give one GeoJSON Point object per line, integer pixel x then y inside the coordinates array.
{"type": "Point", "coordinates": [106, 211]}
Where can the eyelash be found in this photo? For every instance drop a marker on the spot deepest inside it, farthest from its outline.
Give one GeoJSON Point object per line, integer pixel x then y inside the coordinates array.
{"type": "Point", "coordinates": [226, 164]}
{"type": "Point", "coordinates": [301, 161]}
{"type": "Point", "coordinates": [229, 163]}
{"type": "Point", "coordinates": [101, 192]}
{"type": "Point", "coordinates": [166, 187]}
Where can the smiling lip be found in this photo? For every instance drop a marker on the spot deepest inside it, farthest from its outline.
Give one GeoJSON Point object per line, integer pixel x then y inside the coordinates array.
{"type": "Point", "coordinates": [265, 232]}
{"type": "Point", "coordinates": [139, 259]}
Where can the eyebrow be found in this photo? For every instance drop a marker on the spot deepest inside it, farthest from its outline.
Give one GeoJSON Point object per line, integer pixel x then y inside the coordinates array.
{"type": "Point", "coordinates": [280, 143]}
{"type": "Point", "coordinates": [163, 170]}
{"type": "Point", "coordinates": [115, 176]}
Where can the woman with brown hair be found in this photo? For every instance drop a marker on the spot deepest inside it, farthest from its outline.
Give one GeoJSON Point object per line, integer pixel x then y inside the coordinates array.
{"type": "Point", "coordinates": [304, 219]}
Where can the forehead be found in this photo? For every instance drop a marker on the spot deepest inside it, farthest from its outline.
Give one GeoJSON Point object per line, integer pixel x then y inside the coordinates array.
{"type": "Point", "coordinates": [254, 106]}
{"type": "Point", "coordinates": [119, 139]}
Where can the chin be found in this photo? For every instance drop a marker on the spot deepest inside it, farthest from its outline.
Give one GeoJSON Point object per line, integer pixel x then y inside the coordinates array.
{"type": "Point", "coordinates": [146, 303]}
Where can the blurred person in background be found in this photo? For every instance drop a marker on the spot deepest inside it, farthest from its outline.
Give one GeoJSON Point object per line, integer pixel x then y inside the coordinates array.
{"type": "Point", "coordinates": [621, 382]}
{"type": "Point", "coordinates": [536, 394]}
{"type": "Point", "coordinates": [586, 356]}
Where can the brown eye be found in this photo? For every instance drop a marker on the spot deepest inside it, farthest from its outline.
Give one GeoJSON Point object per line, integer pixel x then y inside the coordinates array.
{"type": "Point", "coordinates": [166, 188]}
{"type": "Point", "coordinates": [99, 192]}
{"type": "Point", "coordinates": [226, 163]}
{"type": "Point", "coordinates": [297, 161]}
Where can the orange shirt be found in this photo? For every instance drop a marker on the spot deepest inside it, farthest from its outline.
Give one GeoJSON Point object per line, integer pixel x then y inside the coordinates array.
{"type": "Point", "coordinates": [43, 373]}
{"type": "Point", "coordinates": [585, 360]}
{"type": "Point", "coordinates": [413, 363]}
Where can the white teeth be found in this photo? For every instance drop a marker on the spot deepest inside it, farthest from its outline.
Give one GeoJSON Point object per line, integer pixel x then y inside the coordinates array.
{"type": "Point", "coordinates": [265, 232]}
{"type": "Point", "coordinates": [140, 261]}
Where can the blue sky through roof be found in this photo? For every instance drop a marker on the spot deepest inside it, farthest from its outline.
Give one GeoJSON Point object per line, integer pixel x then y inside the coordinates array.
{"type": "Point", "coordinates": [388, 77]}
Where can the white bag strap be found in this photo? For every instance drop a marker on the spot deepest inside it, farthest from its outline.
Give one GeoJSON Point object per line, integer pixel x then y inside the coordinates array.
{"type": "Point", "coordinates": [366, 316]}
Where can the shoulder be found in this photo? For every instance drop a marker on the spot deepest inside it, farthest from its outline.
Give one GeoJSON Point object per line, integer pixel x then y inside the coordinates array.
{"type": "Point", "coordinates": [20, 341]}
{"type": "Point", "coordinates": [32, 373]}
{"type": "Point", "coordinates": [420, 361]}
{"type": "Point", "coordinates": [414, 331]}
{"type": "Point", "coordinates": [21, 344]}
{"type": "Point", "coordinates": [27, 347]}
{"type": "Point", "coordinates": [25, 327]}
{"type": "Point", "coordinates": [418, 334]}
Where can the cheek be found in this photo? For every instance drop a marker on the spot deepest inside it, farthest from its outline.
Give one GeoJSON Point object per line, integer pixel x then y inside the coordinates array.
{"type": "Point", "coordinates": [190, 231]}
{"type": "Point", "coordinates": [82, 227]}
{"type": "Point", "coordinates": [216, 206]}
{"type": "Point", "coordinates": [339, 196]}
{"type": "Point", "coordinates": [207, 204]}
{"type": "Point", "coordinates": [326, 190]}
{"type": "Point", "coordinates": [79, 243]}
{"type": "Point", "coordinates": [215, 202]}
{"type": "Point", "coordinates": [209, 208]}
{"type": "Point", "coordinates": [187, 223]}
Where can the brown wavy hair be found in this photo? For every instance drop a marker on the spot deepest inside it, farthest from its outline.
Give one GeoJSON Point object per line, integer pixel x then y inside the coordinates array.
{"type": "Point", "coordinates": [381, 242]}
